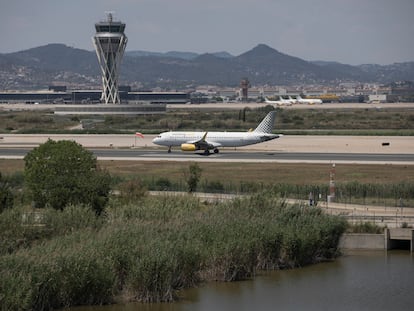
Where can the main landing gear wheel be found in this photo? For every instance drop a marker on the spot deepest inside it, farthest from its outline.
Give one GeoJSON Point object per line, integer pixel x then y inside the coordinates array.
{"type": "Point", "coordinates": [216, 150]}
{"type": "Point", "coordinates": [169, 150]}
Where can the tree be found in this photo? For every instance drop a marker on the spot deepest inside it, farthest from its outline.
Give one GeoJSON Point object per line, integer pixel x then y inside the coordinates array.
{"type": "Point", "coordinates": [193, 177]}
{"type": "Point", "coordinates": [6, 195]}
{"type": "Point", "coordinates": [58, 173]}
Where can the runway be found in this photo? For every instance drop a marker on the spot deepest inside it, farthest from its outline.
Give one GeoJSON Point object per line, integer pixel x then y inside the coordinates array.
{"type": "Point", "coordinates": [141, 154]}
{"type": "Point", "coordinates": [288, 149]}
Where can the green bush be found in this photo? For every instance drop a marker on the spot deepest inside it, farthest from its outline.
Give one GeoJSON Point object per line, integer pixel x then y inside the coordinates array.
{"type": "Point", "coordinates": [58, 173]}
{"type": "Point", "coordinates": [6, 195]}
{"type": "Point", "coordinates": [163, 183]}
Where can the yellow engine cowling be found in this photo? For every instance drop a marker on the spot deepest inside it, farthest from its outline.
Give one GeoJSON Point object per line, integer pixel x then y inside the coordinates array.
{"type": "Point", "coordinates": [188, 147]}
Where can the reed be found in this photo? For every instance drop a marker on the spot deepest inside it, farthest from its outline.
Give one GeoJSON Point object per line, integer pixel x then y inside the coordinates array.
{"type": "Point", "coordinates": [149, 249]}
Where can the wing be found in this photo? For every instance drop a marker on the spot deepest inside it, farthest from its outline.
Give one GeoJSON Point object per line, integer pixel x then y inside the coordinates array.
{"type": "Point", "coordinates": [204, 144]}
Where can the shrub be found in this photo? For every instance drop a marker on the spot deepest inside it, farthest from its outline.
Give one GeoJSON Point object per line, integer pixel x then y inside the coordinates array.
{"type": "Point", "coordinates": [63, 172]}
{"type": "Point", "coordinates": [132, 190]}
{"type": "Point", "coordinates": [6, 195]}
{"type": "Point", "coordinates": [193, 177]}
{"type": "Point", "coordinates": [163, 183]}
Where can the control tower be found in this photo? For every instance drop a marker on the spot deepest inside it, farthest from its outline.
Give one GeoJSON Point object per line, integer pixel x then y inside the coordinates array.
{"type": "Point", "coordinates": [244, 85]}
{"type": "Point", "coordinates": [110, 42]}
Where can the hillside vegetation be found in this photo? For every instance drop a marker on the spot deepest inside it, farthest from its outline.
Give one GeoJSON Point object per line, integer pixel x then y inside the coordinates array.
{"type": "Point", "coordinates": [262, 64]}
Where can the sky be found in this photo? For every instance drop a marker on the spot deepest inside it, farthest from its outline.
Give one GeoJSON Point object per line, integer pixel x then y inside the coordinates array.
{"type": "Point", "coordinates": [347, 31]}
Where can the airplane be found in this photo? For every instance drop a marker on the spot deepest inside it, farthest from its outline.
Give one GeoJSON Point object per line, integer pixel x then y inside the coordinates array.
{"type": "Point", "coordinates": [280, 102]}
{"type": "Point", "coordinates": [293, 100]}
{"type": "Point", "coordinates": [193, 141]}
{"type": "Point", "coordinates": [288, 102]}
{"type": "Point", "coordinates": [310, 101]}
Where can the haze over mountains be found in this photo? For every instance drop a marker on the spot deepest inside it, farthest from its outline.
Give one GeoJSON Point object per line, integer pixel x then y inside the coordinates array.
{"type": "Point", "coordinates": [57, 63]}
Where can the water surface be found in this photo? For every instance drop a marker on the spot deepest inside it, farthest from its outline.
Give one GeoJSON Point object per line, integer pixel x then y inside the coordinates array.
{"type": "Point", "coordinates": [357, 281]}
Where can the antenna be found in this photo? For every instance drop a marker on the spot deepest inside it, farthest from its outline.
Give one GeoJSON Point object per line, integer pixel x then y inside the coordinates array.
{"type": "Point", "coordinates": [109, 15]}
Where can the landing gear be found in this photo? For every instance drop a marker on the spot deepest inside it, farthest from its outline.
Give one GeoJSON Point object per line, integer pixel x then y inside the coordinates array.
{"type": "Point", "coordinates": [169, 149]}
{"type": "Point", "coordinates": [207, 152]}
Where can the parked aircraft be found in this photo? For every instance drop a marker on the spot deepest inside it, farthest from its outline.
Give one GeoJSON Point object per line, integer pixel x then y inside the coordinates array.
{"type": "Point", "coordinates": [309, 101]}
{"type": "Point", "coordinates": [293, 100]}
{"type": "Point", "coordinates": [193, 141]}
{"type": "Point", "coordinates": [280, 102]}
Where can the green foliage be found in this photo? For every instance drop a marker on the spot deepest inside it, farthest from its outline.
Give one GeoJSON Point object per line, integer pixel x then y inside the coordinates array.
{"type": "Point", "coordinates": [58, 173]}
{"type": "Point", "coordinates": [213, 186]}
{"type": "Point", "coordinates": [163, 183]}
{"type": "Point", "coordinates": [193, 177]}
{"type": "Point", "coordinates": [64, 272]}
{"type": "Point", "coordinates": [132, 190]}
{"type": "Point", "coordinates": [148, 251]}
{"type": "Point", "coordinates": [20, 227]}
{"type": "Point", "coordinates": [6, 195]}
{"type": "Point", "coordinates": [365, 227]}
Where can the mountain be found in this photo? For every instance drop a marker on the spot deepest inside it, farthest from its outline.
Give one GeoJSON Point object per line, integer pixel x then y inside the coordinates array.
{"type": "Point", "coordinates": [175, 54]}
{"type": "Point", "coordinates": [262, 65]}
{"type": "Point", "coordinates": [268, 65]}
{"type": "Point", "coordinates": [389, 73]}
{"type": "Point", "coordinates": [57, 57]}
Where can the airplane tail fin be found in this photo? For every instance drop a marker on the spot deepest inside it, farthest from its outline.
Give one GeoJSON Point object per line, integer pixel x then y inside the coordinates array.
{"type": "Point", "coordinates": [266, 126]}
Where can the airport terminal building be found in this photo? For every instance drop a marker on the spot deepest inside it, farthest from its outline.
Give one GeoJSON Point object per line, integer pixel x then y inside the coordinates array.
{"type": "Point", "coordinates": [60, 96]}
{"type": "Point", "coordinates": [89, 101]}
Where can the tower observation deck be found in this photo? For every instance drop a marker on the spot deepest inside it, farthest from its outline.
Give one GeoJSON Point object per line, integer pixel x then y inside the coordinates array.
{"type": "Point", "coordinates": [110, 42]}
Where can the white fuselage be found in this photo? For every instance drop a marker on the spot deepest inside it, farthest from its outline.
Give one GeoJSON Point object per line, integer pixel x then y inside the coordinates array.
{"type": "Point", "coordinates": [281, 102]}
{"type": "Point", "coordinates": [309, 101]}
{"type": "Point", "coordinates": [218, 139]}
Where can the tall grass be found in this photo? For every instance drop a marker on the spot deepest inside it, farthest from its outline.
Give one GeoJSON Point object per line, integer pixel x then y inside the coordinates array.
{"type": "Point", "coordinates": [146, 251]}
{"type": "Point", "coordinates": [21, 227]}
{"type": "Point", "coordinates": [348, 192]}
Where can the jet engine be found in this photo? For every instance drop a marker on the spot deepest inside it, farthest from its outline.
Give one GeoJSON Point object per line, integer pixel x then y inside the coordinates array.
{"type": "Point", "coordinates": [188, 147]}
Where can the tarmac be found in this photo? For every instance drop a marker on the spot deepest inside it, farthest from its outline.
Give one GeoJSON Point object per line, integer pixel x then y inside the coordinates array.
{"type": "Point", "coordinates": [287, 143]}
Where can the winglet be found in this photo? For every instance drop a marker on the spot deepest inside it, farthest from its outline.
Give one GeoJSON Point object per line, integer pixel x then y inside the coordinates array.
{"type": "Point", "coordinates": [204, 136]}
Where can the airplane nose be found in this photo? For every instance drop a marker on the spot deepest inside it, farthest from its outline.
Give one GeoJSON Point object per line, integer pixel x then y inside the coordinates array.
{"type": "Point", "coordinates": [156, 140]}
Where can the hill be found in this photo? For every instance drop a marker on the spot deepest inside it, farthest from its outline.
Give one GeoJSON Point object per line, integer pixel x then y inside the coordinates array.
{"type": "Point", "coordinates": [58, 63]}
